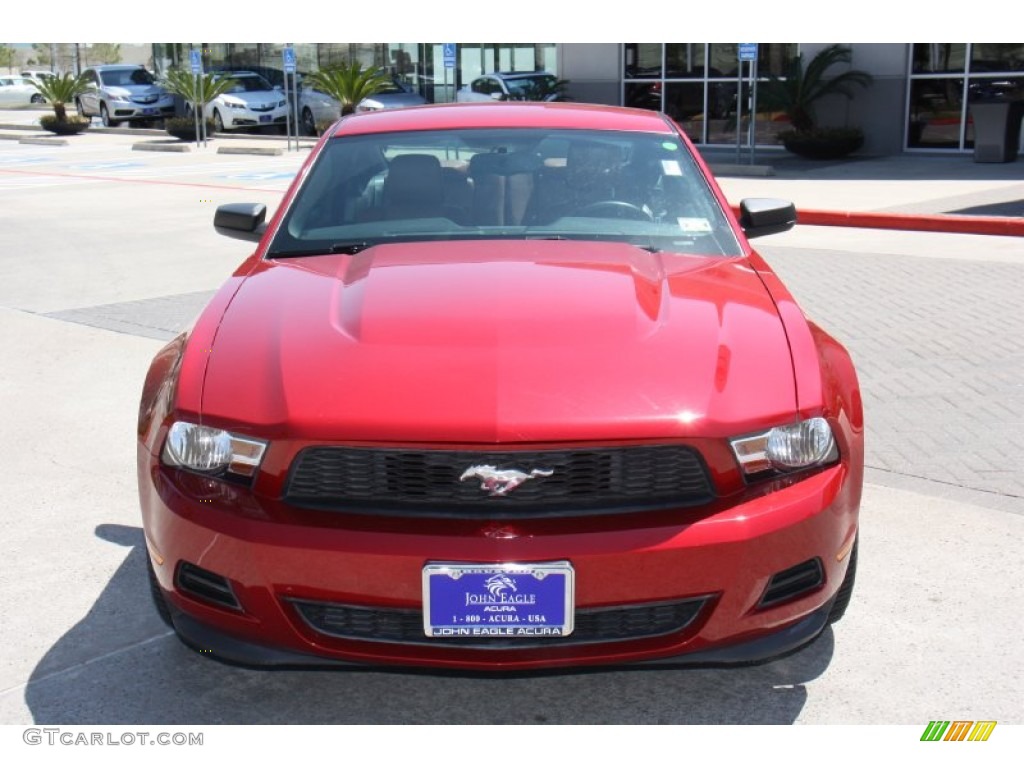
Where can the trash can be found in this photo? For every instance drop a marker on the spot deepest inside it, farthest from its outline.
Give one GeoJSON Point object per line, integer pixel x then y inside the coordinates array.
{"type": "Point", "coordinates": [996, 130]}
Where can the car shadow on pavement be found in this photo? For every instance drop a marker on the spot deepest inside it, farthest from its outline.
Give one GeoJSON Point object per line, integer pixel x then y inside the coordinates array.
{"type": "Point", "coordinates": [120, 665]}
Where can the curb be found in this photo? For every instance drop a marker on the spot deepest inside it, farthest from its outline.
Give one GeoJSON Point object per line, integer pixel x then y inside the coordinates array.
{"type": "Point", "coordinates": [964, 225]}
{"type": "Point", "coordinates": [155, 147]}
{"type": "Point", "coordinates": [43, 140]}
{"type": "Point", "coordinates": [249, 151]}
{"type": "Point", "coordinates": [1004, 226]}
{"type": "Point", "coordinates": [732, 169]}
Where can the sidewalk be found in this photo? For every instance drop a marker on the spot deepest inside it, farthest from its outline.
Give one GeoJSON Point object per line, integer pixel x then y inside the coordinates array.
{"type": "Point", "coordinates": [906, 190]}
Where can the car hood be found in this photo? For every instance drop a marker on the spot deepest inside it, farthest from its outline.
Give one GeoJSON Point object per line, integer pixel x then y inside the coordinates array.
{"type": "Point", "coordinates": [500, 341]}
{"type": "Point", "coordinates": [256, 98]}
{"type": "Point", "coordinates": [135, 90]}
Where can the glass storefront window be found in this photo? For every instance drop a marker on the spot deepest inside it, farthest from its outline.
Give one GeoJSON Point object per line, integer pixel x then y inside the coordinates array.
{"type": "Point", "coordinates": [642, 60]}
{"type": "Point", "coordinates": [684, 103]}
{"type": "Point", "coordinates": [698, 89]}
{"type": "Point", "coordinates": [775, 58]}
{"type": "Point", "coordinates": [643, 95]}
{"type": "Point", "coordinates": [936, 111]}
{"type": "Point", "coordinates": [997, 57]}
{"type": "Point", "coordinates": [939, 57]}
{"type": "Point", "coordinates": [684, 60]}
{"type": "Point", "coordinates": [724, 59]}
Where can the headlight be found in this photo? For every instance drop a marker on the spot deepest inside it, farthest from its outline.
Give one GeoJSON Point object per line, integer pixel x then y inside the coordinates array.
{"type": "Point", "coordinates": [794, 446]}
{"type": "Point", "coordinates": [120, 97]}
{"type": "Point", "coordinates": [235, 104]}
{"type": "Point", "coordinates": [212, 451]}
{"type": "Point", "coordinates": [282, 103]}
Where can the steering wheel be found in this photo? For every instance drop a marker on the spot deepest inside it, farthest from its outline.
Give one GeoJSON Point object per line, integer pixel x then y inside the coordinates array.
{"type": "Point", "coordinates": [614, 209]}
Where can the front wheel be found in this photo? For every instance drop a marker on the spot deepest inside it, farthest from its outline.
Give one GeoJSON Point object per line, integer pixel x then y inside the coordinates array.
{"type": "Point", "coordinates": [308, 122]}
{"type": "Point", "coordinates": [159, 601]}
{"type": "Point", "coordinates": [105, 118]}
{"type": "Point", "coordinates": [842, 599]}
{"type": "Point", "coordinates": [81, 110]}
{"type": "Point", "coordinates": [37, 98]}
{"type": "Point", "coordinates": [218, 122]}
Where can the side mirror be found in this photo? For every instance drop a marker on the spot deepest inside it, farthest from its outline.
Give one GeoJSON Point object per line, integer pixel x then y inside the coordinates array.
{"type": "Point", "coordinates": [241, 221]}
{"type": "Point", "coordinates": [761, 216]}
{"type": "Point", "coordinates": [498, 96]}
{"type": "Point", "coordinates": [278, 88]}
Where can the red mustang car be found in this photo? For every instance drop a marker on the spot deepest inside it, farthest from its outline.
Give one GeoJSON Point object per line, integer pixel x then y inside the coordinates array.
{"type": "Point", "coordinates": [502, 387]}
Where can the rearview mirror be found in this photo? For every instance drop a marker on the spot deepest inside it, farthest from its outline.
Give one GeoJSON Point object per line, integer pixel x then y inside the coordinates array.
{"type": "Point", "coordinates": [242, 221]}
{"type": "Point", "coordinates": [761, 216]}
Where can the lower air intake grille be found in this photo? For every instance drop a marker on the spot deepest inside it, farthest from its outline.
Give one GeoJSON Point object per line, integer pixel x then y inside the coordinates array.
{"type": "Point", "coordinates": [599, 625]}
{"type": "Point", "coordinates": [449, 483]}
{"type": "Point", "coordinates": [206, 586]}
{"type": "Point", "coordinates": [792, 583]}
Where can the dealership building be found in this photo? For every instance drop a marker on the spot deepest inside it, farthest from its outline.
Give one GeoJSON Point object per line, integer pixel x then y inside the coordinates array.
{"type": "Point", "coordinates": [920, 98]}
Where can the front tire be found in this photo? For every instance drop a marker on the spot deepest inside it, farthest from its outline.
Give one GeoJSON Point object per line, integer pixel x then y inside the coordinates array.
{"type": "Point", "coordinates": [105, 118]}
{"type": "Point", "coordinates": [308, 122]}
{"type": "Point", "coordinates": [842, 599]}
{"type": "Point", "coordinates": [218, 122]}
{"type": "Point", "coordinates": [159, 601]}
{"type": "Point", "coordinates": [37, 98]}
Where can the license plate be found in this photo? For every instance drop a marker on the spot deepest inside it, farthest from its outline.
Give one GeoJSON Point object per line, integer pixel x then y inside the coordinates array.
{"type": "Point", "coordinates": [265, 118]}
{"type": "Point", "coordinates": [507, 600]}
{"type": "Point", "coordinates": [149, 111]}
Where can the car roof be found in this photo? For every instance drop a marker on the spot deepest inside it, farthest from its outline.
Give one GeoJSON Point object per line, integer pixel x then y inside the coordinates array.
{"type": "Point", "coordinates": [509, 75]}
{"type": "Point", "coordinates": [108, 67]}
{"type": "Point", "coordinates": [505, 115]}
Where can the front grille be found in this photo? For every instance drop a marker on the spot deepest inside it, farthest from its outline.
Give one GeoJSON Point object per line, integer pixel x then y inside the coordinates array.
{"type": "Point", "coordinates": [145, 99]}
{"type": "Point", "coordinates": [594, 625]}
{"type": "Point", "coordinates": [595, 480]}
{"type": "Point", "coordinates": [261, 107]}
{"type": "Point", "coordinates": [793, 582]}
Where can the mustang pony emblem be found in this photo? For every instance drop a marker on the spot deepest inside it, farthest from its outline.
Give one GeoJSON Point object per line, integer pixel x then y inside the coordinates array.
{"type": "Point", "coordinates": [498, 482]}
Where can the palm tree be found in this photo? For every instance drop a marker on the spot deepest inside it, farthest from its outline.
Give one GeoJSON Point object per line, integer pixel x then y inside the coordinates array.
{"type": "Point", "coordinates": [61, 90]}
{"type": "Point", "coordinates": [801, 87]}
{"type": "Point", "coordinates": [195, 89]}
{"type": "Point", "coordinates": [348, 85]}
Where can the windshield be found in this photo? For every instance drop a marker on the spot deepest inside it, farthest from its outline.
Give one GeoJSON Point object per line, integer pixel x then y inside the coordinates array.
{"type": "Point", "coordinates": [125, 77]}
{"type": "Point", "coordinates": [522, 87]}
{"type": "Point", "coordinates": [639, 188]}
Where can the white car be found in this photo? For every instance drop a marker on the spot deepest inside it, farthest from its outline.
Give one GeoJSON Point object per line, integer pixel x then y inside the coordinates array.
{"type": "Point", "coordinates": [16, 90]}
{"type": "Point", "coordinates": [251, 101]}
{"type": "Point", "coordinates": [512, 86]}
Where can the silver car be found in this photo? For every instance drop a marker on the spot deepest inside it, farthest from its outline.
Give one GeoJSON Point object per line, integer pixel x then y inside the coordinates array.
{"type": "Point", "coordinates": [123, 92]}
{"type": "Point", "coordinates": [251, 101]}
{"type": "Point", "coordinates": [316, 108]}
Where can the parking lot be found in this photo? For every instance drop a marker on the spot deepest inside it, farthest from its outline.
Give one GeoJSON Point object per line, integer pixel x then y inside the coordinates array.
{"type": "Point", "coordinates": [107, 252]}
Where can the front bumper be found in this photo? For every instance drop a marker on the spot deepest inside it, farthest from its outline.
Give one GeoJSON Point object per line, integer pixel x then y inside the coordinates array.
{"type": "Point", "coordinates": [248, 118]}
{"type": "Point", "coordinates": [121, 110]}
{"type": "Point", "coordinates": [274, 556]}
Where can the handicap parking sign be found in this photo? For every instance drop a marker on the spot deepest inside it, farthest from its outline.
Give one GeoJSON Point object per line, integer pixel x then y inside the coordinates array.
{"type": "Point", "coordinates": [289, 59]}
{"type": "Point", "coordinates": [449, 55]}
